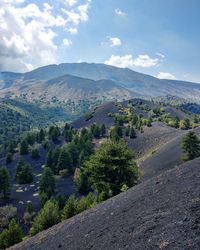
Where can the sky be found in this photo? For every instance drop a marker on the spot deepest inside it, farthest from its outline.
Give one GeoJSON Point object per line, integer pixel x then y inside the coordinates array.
{"type": "Point", "coordinates": [156, 37]}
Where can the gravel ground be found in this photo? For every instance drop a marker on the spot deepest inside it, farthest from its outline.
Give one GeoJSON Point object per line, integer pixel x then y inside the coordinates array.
{"type": "Point", "coordinates": [160, 213]}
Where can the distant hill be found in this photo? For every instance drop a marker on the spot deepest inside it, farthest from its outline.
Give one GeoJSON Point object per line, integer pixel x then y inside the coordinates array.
{"type": "Point", "coordinates": [84, 80]}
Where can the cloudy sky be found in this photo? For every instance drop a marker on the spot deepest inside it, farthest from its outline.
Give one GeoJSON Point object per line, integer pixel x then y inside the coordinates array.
{"type": "Point", "coordinates": [156, 37]}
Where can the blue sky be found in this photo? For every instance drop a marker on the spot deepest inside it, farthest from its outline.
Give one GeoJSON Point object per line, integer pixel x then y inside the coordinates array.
{"type": "Point", "coordinates": [156, 37]}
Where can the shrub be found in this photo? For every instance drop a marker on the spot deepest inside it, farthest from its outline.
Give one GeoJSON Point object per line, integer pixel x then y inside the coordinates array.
{"type": "Point", "coordinates": [11, 236]}
{"type": "Point", "coordinates": [47, 217]}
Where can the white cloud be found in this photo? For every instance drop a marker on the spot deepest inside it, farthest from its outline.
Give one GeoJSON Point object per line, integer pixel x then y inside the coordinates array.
{"type": "Point", "coordinates": [67, 42]}
{"type": "Point", "coordinates": [120, 12]}
{"type": "Point", "coordinates": [28, 31]}
{"type": "Point", "coordinates": [73, 31]}
{"type": "Point", "coordinates": [115, 41]}
{"type": "Point", "coordinates": [128, 61]}
{"type": "Point", "coordinates": [70, 2]}
{"type": "Point", "coordinates": [160, 55]}
{"type": "Point", "coordinates": [78, 15]}
{"type": "Point", "coordinates": [165, 75]}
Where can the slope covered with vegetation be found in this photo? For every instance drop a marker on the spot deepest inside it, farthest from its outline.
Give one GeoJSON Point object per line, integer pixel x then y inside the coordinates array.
{"type": "Point", "coordinates": [69, 168]}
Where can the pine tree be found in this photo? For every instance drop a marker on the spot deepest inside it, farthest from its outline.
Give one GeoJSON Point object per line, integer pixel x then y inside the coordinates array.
{"type": "Point", "coordinates": [65, 161]}
{"type": "Point", "coordinates": [47, 217]}
{"type": "Point", "coordinates": [9, 158]}
{"type": "Point", "coordinates": [111, 167]}
{"type": "Point", "coordinates": [69, 209]}
{"type": "Point", "coordinates": [191, 146]}
{"type": "Point", "coordinates": [68, 135]}
{"type": "Point", "coordinates": [35, 153]}
{"type": "Point", "coordinates": [29, 208]}
{"type": "Point", "coordinates": [49, 160]}
{"type": "Point", "coordinates": [127, 131]}
{"type": "Point", "coordinates": [47, 182]}
{"type": "Point", "coordinates": [116, 133]}
{"type": "Point", "coordinates": [41, 135]}
{"type": "Point", "coordinates": [11, 236]}
{"type": "Point", "coordinates": [23, 147]}
{"type": "Point", "coordinates": [24, 172]}
{"type": "Point", "coordinates": [103, 130]}
{"type": "Point", "coordinates": [132, 133]}
{"type": "Point", "coordinates": [4, 182]}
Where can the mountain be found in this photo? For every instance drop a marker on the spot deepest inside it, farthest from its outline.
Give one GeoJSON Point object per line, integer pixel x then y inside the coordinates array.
{"type": "Point", "coordinates": [62, 88]}
{"type": "Point", "coordinates": [77, 80]}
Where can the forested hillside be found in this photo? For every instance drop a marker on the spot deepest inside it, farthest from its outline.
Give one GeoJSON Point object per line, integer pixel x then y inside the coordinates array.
{"type": "Point", "coordinates": [69, 168]}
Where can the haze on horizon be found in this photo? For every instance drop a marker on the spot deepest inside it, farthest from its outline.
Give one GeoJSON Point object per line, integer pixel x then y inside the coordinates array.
{"type": "Point", "coordinates": [153, 37]}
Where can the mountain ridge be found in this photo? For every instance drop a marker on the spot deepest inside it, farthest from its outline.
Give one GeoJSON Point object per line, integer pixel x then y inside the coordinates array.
{"type": "Point", "coordinates": [131, 81]}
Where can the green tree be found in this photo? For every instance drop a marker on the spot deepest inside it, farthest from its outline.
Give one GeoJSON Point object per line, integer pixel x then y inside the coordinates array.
{"type": "Point", "coordinates": [9, 158]}
{"type": "Point", "coordinates": [191, 146]}
{"type": "Point", "coordinates": [48, 216]}
{"type": "Point", "coordinates": [74, 153]}
{"type": "Point", "coordinates": [65, 160]}
{"type": "Point", "coordinates": [47, 182]}
{"type": "Point", "coordinates": [35, 153]}
{"type": "Point", "coordinates": [69, 209]}
{"type": "Point", "coordinates": [29, 208]}
{"type": "Point", "coordinates": [68, 135]}
{"type": "Point", "coordinates": [184, 124]}
{"type": "Point", "coordinates": [54, 133]}
{"type": "Point", "coordinates": [111, 167]}
{"type": "Point", "coordinates": [41, 135]}
{"type": "Point", "coordinates": [81, 181]}
{"type": "Point", "coordinates": [11, 236]}
{"type": "Point", "coordinates": [103, 129]}
{"type": "Point", "coordinates": [61, 200]}
{"type": "Point", "coordinates": [116, 133]}
{"type": "Point", "coordinates": [127, 131]}
{"type": "Point", "coordinates": [132, 133]}
{"type": "Point", "coordinates": [23, 147]}
{"type": "Point", "coordinates": [49, 160]}
{"type": "Point", "coordinates": [95, 130]}
{"type": "Point", "coordinates": [4, 182]}
{"type": "Point", "coordinates": [24, 172]}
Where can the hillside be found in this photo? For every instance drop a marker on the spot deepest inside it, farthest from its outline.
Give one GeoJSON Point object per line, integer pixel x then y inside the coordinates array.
{"type": "Point", "coordinates": [161, 213]}
{"type": "Point", "coordinates": [122, 83]}
{"type": "Point", "coordinates": [19, 116]}
{"type": "Point", "coordinates": [166, 157]}
{"type": "Point", "coordinates": [65, 87]}
{"type": "Point", "coordinates": [157, 131]}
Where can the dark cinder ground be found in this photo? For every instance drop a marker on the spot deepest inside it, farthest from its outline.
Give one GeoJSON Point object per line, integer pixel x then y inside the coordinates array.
{"type": "Point", "coordinates": [160, 213]}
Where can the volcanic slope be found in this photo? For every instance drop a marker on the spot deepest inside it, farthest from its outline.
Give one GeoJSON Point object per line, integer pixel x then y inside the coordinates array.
{"type": "Point", "coordinates": [145, 144]}
{"type": "Point", "coordinates": [166, 157]}
{"type": "Point", "coordinates": [161, 213]}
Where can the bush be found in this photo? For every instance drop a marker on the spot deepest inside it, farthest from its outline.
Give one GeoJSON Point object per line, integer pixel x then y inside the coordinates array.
{"type": "Point", "coordinates": [4, 183]}
{"type": "Point", "coordinates": [64, 173]}
{"type": "Point", "coordinates": [69, 209]}
{"type": "Point", "coordinates": [81, 181]}
{"type": "Point", "coordinates": [35, 153]}
{"type": "Point", "coordinates": [11, 236]}
{"type": "Point", "coordinates": [9, 158]}
{"type": "Point", "coordinates": [6, 213]}
{"type": "Point", "coordinates": [47, 217]}
{"type": "Point", "coordinates": [24, 172]}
